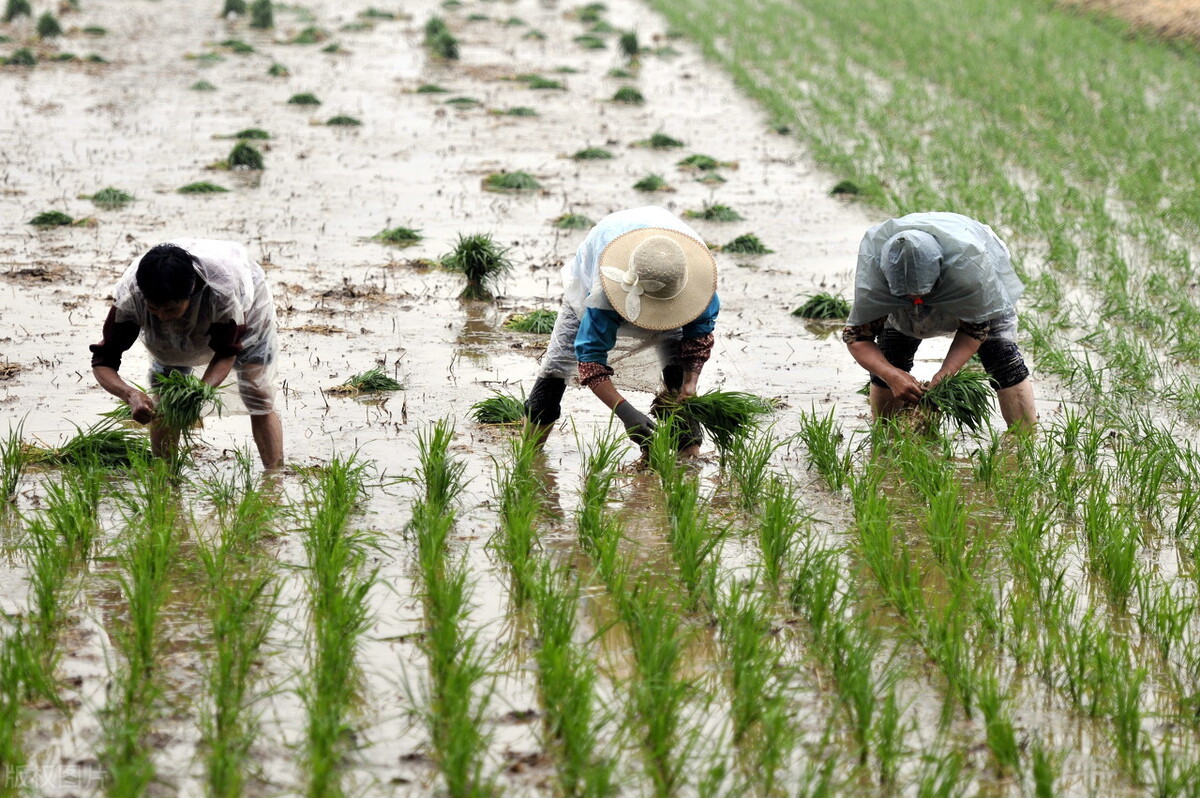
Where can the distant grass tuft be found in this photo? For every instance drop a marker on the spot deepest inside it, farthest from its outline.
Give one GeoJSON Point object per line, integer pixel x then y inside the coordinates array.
{"type": "Point", "coordinates": [244, 156]}
{"type": "Point", "coordinates": [540, 321]}
{"type": "Point", "coordinates": [48, 27]}
{"type": "Point", "coordinates": [440, 41]}
{"type": "Point", "coordinates": [652, 183]}
{"type": "Point", "coordinates": [310, 35]}
{"type": "Point", "coordinates": [95, 30]}
{"type": "Point", "coordinates": [17, 8]}
{"type": "Point", "coordinates": [845, 188]}
{"type": "Point", "coordinates": [278, 71]}
{"type": "Point", "coordinates": [303, 98]}
{"type": "Point", "coordinates": [629, 96]}
{"type": "Point", "coordinates": [111, 198]}
{"type": "Point", "coordinates": [511, 181]}
{"type": "Point", "coordinates": [373, 381]}
{"type": "Point", "coordinates": [574, 221]}
{"type": "Point", "coordinates": [237, 46]}
{"type": "Point", "coordinates": [747, 244]}
{"type": "Point", "coordinates": [715, 213]}
{"type": "Point", "coordinates": [660, 141]}
{"type": "Point", "coordinates": [592, 154]}
{"type": "Point", "coordinates": [481, 260]}
{"type": "Point", "coordinates": [252, 133]}
{"type": "Point", "coordinates": [590, 42]}
{"type": "Point", "coordinates": [21, 57]}
{"type": "Point", "coordinates": [534, 35]}
{"type": "Point", "coordinates": [701, 163]}
{"type": "Point", "coordinates": [519, 110]}
{"type": "Point", "coordinates": [343, 121]}
{"type": "Point", "coordinates": [539, 82]}
{"type": "Point", "coordinates": [202, 85]}
{"type": "Point", "coordinates": [629, 45]}
{"type": "Point", "coordinates": [500, 408]}
{"type": "Point", "coordinates": [463, 102]}
{"type": "Point", "coordinates": [823, 306]}
{"type": "Point", "coordinates": [262, 15]}
{"type": "Point", "coordinates": [431, 88]}
{"type": "Point", "coordinates": [203, 187]}
{"type": "Point", "coordinates": [398, 236]}
{"type": "Point", "coordinates": [51, 219]}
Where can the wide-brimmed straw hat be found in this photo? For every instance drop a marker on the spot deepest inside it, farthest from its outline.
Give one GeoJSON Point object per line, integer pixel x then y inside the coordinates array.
{"type": "Point", "coordinates": [656, 278]}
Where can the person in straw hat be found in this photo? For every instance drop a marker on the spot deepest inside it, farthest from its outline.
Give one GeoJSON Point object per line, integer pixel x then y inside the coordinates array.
{"type": "Point", "coordinates": [641, 279]}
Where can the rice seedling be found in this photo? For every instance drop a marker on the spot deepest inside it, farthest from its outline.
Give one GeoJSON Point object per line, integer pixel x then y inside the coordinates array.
{"type": "Point", "coordinates": [660, 141]}
{"type": "Point", "coordinates": [12, 462]}
{"type": "Point", "coordinates": [519, 110]}
{"type": "Point", "coordinates": [182, 400]}
{"type": "Point", "coordinates": [481, 260]}
{"type": "Point", "coordinates": [600, 460]}
{"type": "Point", "coordinates": [747, 244]}
{"type": "Point", "coordinates": [540, 83]}
{"type": "Point", "coordinates": [375, 13]}
{"type": "Point", "coordinates": [515, 22]}
{"type": "Point", "coordinates": [822, 438]}
{"type": "Point", "coordinates": [13, 667]}
{"type": "Point", "coordinates": [106, 444]}
{"type": "Point", "coordinates": [371, 381]}
{"type": "Point", "coordinates": [652, 182]}
{"type": "Point", "coordinates": [49, 562]}
{"type": "Point", "coordinates": [823, 306]}
{"type": "Point", "coordinates": [335, 47]}
{"type": "Point", "coordinates": [237, 7]}
{"type": "Point", "coordinates": [628, 95]}
{"type": "Point", "coordinates": [781, 522]}
{"type": "Point", "coordinates": [725, 415]}
{"type": "Point", "coordinates": [304, 98]}
{"type": "Point", "coordinates": [702, 163]}
{"type": "Point", "coordinates": [237, 46]}
{"type": "Point", "coordinates": [845, 188]}
{"type": "Point", "coordinates": [262, 15]}
{"type": "Point", "coordinates": [430, 88]}
{"type": "Point", "coordinates": [343, 121]}
{"type": "Point", "coordinates": [714, 213]}
{"type": "Point", "coordinates": [95, 30]}
{"type": "Point", "coordinates": [48, 27]}
{"type": "Point", "coordinates": [111, 198]}
{"type": "Point", "coordinates": [278, 70]}
{"type": "Point", "coordinates": [52, 219]}
{"type": "Point", "coordinates": [463, 102]}
{"type": "Point", "coordinates": [398, 236]}
{"type": "Point", "coordinates": [592, 154]}
{"type": "Point", "coordinates": [694, 540]}
{"type": "Point", "coordinates": [439, 40]}
{"type": "Point", "coordinates": [533, 34]}
{"type": "Point", "coordinates": [22, 56]}
{"type": "Point", "coordinates": [574, 221]}
{"type": "Point", "coordinates": [499, 408]}
{"type": "Point", "coordinates": [620, 74]}
{"type": "Point", "coordinates": [245, 156]}
{"type": "Point", "coordinates": [540, 321]}
{"type": "Point", "coordinates": [519, 494]}
{"type": "Point", "coordinates": [202, 187]}
{"type": "Point", "coordinates": [589, 41]}
{"type": "Point", "coordinates": [748, 461]}
{"type": "Point", "coordinates": [964, 398]}
{"type": "Point", "coordinates": [65, 58]}
{"type": "Point", "coordinates": [511, 181]}
{"type": "Point", "coordinates": [17, 8]}
{"type": "Point", "coordinates": [628, 44]}
{"type": "Point", "coordinates": [202, 85]}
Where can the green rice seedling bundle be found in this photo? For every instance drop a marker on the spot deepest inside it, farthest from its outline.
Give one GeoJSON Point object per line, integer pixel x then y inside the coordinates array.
{"type": "Point", "coordinates": [589, 41]}
{"type": "Point", "coordinates": [715, 213]}
{"type": "Point", "coordinates": [234, 7]}
{"type": "Point", "coordinates": [540, 321]}
{"type": "Point", "coordinates": [17, 8]}
{"type": "Point", "coordinates": [747, 244]}
{"type": "Point", "coordinates": [183, 399]}
{"type": "Point", "coordinates": [629, 45]}
{"type": "Point", "coordinates": [652, 182]}
{"type": "Point", "coordinates": [203, 187]}
{"type": "Point", "coordinates": [499, 408]}
{"type": "Point", "coordinates": [304, 98]}
{"type": "Point", "coordinates": [202, 85]}
{"type": "Point", "coordinates": [661, 141]}
{"type": "Point", "coordinates": [541, 83]}
{"type": "Point", "coordinates": [534, 35]}
{"type": "Point", "coordinates": [278, 71]}
{"type": "Point", "coordinates": [431, 88]}
{"type": "Point", "coordinates": [463, 102]}
{"type": "Point", "coordinates": [48, 27]}
{"type": "Point", "coordinates": [51, 219]}
{"type": "Point", "coordinates": [515, 22]}
{"type": "Point", "coordinates": [245, 156]}
{"type": "Point", "coordinates": [440, 40]}
{"type": "Point", "coordinates": [481, 260]}
{"type": "Point", "coordinates": [602, 27]}
{"type": "Point", "coordinates": [375, 13]}
{"type": "Point", "coordinates": [619, 73]}
{"type": "Point", "coordinates": [251, 133]}
{"type": "Point", "coordinates": [964, 397]}
{"type": "Point", "coordinates": [398, 236]}
{"type": "Point", "coordinates": [93, 58]}
{"type": "Point", "coordinates": [592, 154]}
{"type": "Point", "coordinates": [12, 462]}
{"type": "Point", "coordinates": [21, 57]}
{"type": "Point", "coordinates": [238, 46]}
{"type": "Point", "coordinates": [262, 15]}
{"type": "Point", "coordinates": [703, 163]}
{"type": "Point", "coordinates": [335, 47]}
{"type": "Point", "coordinates": [749, 463]}
{"type": "Point", "coordinates": [822, 436]}
{"type": "Point", "coordinates": [343, 121]}
{"type": "Point", "coordinates": [106, 444]}
{"type": "Point", "coordinates": [574, 221]}
{"type": "Point", "coordinates": [629, 96]}
{"type": "Point", "coordinates": [725, 415]}
{"type": "Point", "coordinates": [511, 181]}
{"type": "Point", "coordinates": [372, 381]}
{"type": "Point", "coordinates": [111, 198]}
{"type": "Point", "coordinates": [823, 306]}
{"type": "Point", "coordinates": [519, 110]}
{"type": "Point", "coordinates": [591, 13]}
{"type": "Point", "coordinates": [845, 188]}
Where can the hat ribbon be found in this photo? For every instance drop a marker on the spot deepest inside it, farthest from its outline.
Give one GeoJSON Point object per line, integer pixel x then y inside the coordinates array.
{"type": "Point", "coordinates": [633, 286]}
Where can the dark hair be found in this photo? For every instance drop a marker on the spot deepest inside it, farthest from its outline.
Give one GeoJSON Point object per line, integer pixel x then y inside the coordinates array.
{"type": "Point", "coordinates": [166, 274]}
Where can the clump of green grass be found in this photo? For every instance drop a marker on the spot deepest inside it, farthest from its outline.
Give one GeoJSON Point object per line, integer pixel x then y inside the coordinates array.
{"type": "Point", "coordinates": [534, 35]}
{"type": "Point", "coordinates": [375, 13]}
{"type": "Point", "coordinates": [245, 156]}
{"type": "Point", "coordinates": [440, 41]}
{"type": "Point", "coordinates": [17, 8]}
{"type": "Point", "coordinates": [515, 22]}
{"type": "Point", "coordinates": [202, 187]}
{"type": "Point", "coordinates": [95, 59]}
{"type": "Point", "coordinates": [574, 221]}
{"type": "Point", "coordinates": [481, 260]}
{"type": "Point", "coordinates": [747, 244]}
{"type": "Point", "coordinates": [431, 88]}
{"type": "Point", "coordinates": [602, 27]}
{"type": "Point", "coordinates": [629, 45]}
{"type": "Point", "coordinates": [652, 182]}
{"type": "Point", "coordinates": [845, 188]}
{"type": "Point", "coordinates": [398, 236]}
{"type": "Point", "coordinates": [304, 98]}
{"type": "Point", "coordinates": [51, 219]}
{"type": "Point", "coordinates": [202, 85]}
{"type": "Point", "coordinates": [540, 321]}
{"type": "Point", "coordinates": [499, 408]}
{"type": "Point", "coordinates": [590, 13]}
{"type": "Point", "coordinates": [110, 198]}
{"type": "Point", "coordinates": [310, 35]}
{"type": "Point", "coordinates": [592, 154]}
{"type": "Point", "coordinates": [589, 41]}
{"type": "Point", "coordinates": [237, 46]}
{"type": "Point", "coordinates": [234, 7]}
{"type": "Point", "coordinates": [106, 444]}
{"type": "Point", "coordinates": [278, 71]}
{"type": "Point", "coordinates": [262, 15]}
{"type": "Point", "coordinates": [343, 121]}
{"type": "Point", "coordinates": [251, 133]}
{"type": "Point", "coordinates": [629, 96]}
{"type": "Point", "coordinates": [511, 181]}
{"type": "Point", "coordinates": [710, 179]}
{"type": "Point", "coordinates": [519, 110]}
{"type": "Point", "coordinates": [703, 163]}
{"type": "Point", "coordinates": [542, 84]}
{"type": "Point", "coordinates": [372, 381]}
{"type": "Point", "coordinates": [95, 30]}
{"type": "Point", "coordinates": [823, 306]}
{"type": "Point", "coordinates": [335, 47]}
{"type": "Point", "coordinates": [21, 57]}
{"type": "Point", "coordinates": [463, 102]}
{"type": "Point", "coordinates": [725, 415]}
{"type": "Point", "coordinates": [12, 462]}
{"type": "Point", "coordinates": [964, 397]}
{"type": "Point", "coordinates": [660, 141]}
{"type": "Point", "coordinates": [48, 27]}
{"type": "Point", "coordinates": [715, 213]}
{"type": "Point", "coordinates": [182, 400]}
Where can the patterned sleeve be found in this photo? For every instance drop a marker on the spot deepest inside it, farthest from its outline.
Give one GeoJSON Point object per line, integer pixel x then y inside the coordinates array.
{"type": "Point", "coordinates": [979, 330]}
{"type": "Point", "coordinates": [694, 352]}
{"type": "Point", "coordinates": [863, 332]}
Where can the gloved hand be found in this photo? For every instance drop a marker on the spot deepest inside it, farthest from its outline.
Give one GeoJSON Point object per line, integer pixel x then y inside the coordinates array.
{"type": "Point", "coordinates": [638, 425]}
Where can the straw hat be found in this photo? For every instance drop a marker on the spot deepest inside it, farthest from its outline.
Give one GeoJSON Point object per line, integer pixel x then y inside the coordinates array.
{"type": "Point", "coordinates": [656, 278]}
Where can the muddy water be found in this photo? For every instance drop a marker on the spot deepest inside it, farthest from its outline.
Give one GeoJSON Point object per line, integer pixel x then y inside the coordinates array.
{"type": "Point", "coordinates": [347, 304]}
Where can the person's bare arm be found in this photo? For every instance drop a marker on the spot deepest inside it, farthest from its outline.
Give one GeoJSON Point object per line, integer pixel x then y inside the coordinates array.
{"type": "Point", "coordinates": [218, 370]}
{"type": "Point", "coordinates": [962, 348]}
{"type": "Point", "coordinates": [140, 404]}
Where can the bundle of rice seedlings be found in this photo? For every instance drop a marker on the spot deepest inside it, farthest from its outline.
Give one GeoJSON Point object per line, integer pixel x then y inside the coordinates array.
{"type": "Point", "coordinates": [534, 35]}
{"type": "Point", "coordinates": [398, 236]}
{"type": "Point", "coordinates": [748, 244]}
{"type": "Point", "coordinates": [202, 85]}
{"type": "Point", "coordinates": [499, 408]}
{"type": "Point", "coordinates": [541, 83]}
{"type": "Point", "coordinates": [704, 163]}
{"type": "Point", "coordinates": [629, 45]}
{"type": "Point", "coordinates": [17, 8]}
{"type": "Point", "coordinates": [574, 221]}
{"type": "Point", "coordinates": [715, 213]}
{"type": "Point", "coordinates": [234, 7]}
{"type": "Point", "coordinates": [628, 95]}
{"type": "Point", "coordinates": [590, 42]}
{"type": "Point", "coordinates": [660, 141]}
{"type": "Point", "coordinates": [106, 444]}
{"type": "Point", "coordinates": [21, 57]}
{"type": "Point", "coordinates": [93, 58]}
{"type": "Point", "coordinates": [310, 35]}
{"type": "Point", "coordinates": [203, 187]}
{"type": "Point", "coordinates": [519, 110]}
{"type": "Point", "coordinates": [303, 98]}
{"type": "Point", "coordinates": [710, 179]}
{"type": "Point", "coordinates": [964, 397]}
{"type": "Point", "coordinates": [540, 321]}
{"type": "Point", "coordinates": [823, 306]}
{"type": "Point", "coordinates": [845, 188]}
{"type": "Point", "coordinates": [278, 71]}
{"type": "Point", "coordinates": [726, 415]}
{"type": "Point", "coordinates": [511, 181]}
{"type": "Point", "coordinates": [183, 399]}
{"type": "Point", "coordinates": [95, 30]}
{"type": "Point", "coordinates": [590, 13]}
{"type": "Point", "coordinates": [515, 22]}
{"type": "Point", "coordinates": [603, 26]}
{"type": "Point", "coordinates": [652, 183]}
{"type": "Point", "coordinates": [431, 88]}
{"type": "Point", "coordinates": [343, 121]}
{"type": "Point", "coordinates": [262, 15]}
{"type": "Point", "coordinates": [440, 40]}
{"type": "Point", "coordinates": [244, 156]}
{"type": "Point", "coordinates": [481, 260]}
{"type": "Point", "coordinates": [110, 198]}
{"type": "Point", "coordinates": [375, 13]}
{"type": "Point", "coordinates": [237, 46]}
{"type": "Point", "coordinates": [592, 154]}
{"type": "Point", "coordinates": [335, 47]}
{"type": "Point", "coordinates": [48, 27]}
{"type": "Point", "coordinates": [121, 412]}
{"type": "Point", "coordinates": [51, 219]}
{"type": "Point", "coordinates": [372, 381]}
{"type": "Point", "coordinates": [251, 133]}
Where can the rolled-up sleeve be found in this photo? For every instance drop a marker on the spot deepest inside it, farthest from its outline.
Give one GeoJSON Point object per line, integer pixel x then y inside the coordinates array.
{"type": "Point", "coordinates": [596, 337]}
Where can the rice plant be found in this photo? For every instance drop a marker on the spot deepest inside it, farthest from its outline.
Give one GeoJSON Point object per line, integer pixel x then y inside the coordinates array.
{"type": "Point", "coordinates": [304, 98]}
{"type": "Point", "coordinates": [628, 44]}
{"type": "Point", "coordinates": [540, 321]}
{"type": "Point", "coordinates": [245, 156]}
{"type": "Point", "coordinates": [661, 141]}
{"type": "Point", "coordinates": [652, 182]}
{"type": "Point", "coordinates": [511, 181]}
{"type": "Point", "coordinates": [499, 408]}
{"type": "Point", "coordinates": [12, 462]}
{"type": "Point", "coordinates": [964, 398]}
{"type": "Point", "coordinates": [51, 219]}
{"type": "Point", "coordinates": [590, 42]}
{"type": "Point", "coordinates": [439, 40]}
{"type": "Point", "coordinates": [542, 84]}
{"type": "Point", "coordinates": [183, 399]}
{"type": "Point", "coordinates": [17, 8]}
{"type": "Point", "coordinates": [519, 493]}
{"type": "Point", "coordinates": [48, 27]}
{"type": "Point", "coordinates": [107, 444]}
{"type": "Point", "coordinates": [310, 35]}
{"type": "Point", "coordinates": [518, 110]}
{"type": "Point", "coordinates": [202, 187]}
{"type": "Point", "coordinates": [343, 121]}
{"type": "Point", "coordinates": [481, 260]}
{"type": "Point", "coordinates": [703, 163]}
{"type": "Point", "coordinates": [747, 244]}
{"type": "Point", "coordinates": [262, 15]}
{"type": "Point", "coordinates": [748, 461]}
{"type": "Point", "coordinates": [278, 71]}
{"type": "Point", "coordinates": [237, 7]}
{"type": "Point", "coordinates": [430, 88]}
{"type": "Point", "coordinates": [22, 56]}
{"type": "Point", "coordinates": [845, 188]}
{"type": "Point", "coordinates": [371, 381]}
{"type": "Point", "coordinates": [715, 212]}
{"type": "Point", "coordinates": [111, 198]}
{"type": "Point", "coordinates": [202, 85]}
{"type": "Point", "coordinates": [823, 306]}
{"type": "Point", "coordinates": [822, 437]}
{"type": "Point", "coordinates": [463, 102]}
{"type": "Point", "coordinates": [628, 95]}
{"type": "Point", "coordinates": [398, 236]}
{"type": "Point", "coordinates": [237, 46]}
{"type": "Point", "coordinates": [725, 415]}
{"type": "Point", "coordinates": [592, 154]}
{"type": "Point", "coordinates": [780, 524]}
{"type": "Point", "coordinates": [574, 221]}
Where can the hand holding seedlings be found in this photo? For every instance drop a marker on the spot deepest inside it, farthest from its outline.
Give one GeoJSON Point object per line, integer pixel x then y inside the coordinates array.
{"type": "Point", "coordinates": [141, 406]}
{"type": "Point", "coordinates": [638, 426]}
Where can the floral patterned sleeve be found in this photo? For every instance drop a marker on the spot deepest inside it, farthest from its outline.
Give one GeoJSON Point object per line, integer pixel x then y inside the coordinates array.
{"type": "Point", "coordinates": [863, 332]}
{"type": "Point", "coordinates": [977, 330]}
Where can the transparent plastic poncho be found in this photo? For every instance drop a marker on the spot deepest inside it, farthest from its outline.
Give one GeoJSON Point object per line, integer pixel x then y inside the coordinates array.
{"type": "Point", "coordinates": [233, 289]}
{"type": "Point", "coordinates": [639, 354]}
{"type": "Point", "coordinates": [977, 282]}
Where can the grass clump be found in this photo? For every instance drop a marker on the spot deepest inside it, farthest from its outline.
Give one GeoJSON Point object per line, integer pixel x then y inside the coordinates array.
{"type": "Point", "coordinates": [499, 408]}
{"type": "Point", "coordinates": [845, 188]}
{"type": "Point", "coordinates": [481, 260]}
{"type": "Point", "coordinates": [106, 444]}
{"type": "Point", "coordinates": [540, 83]}
{"type": "Point", "coordinates": [440, 41]}
{"type": "Point", "coordinates": [398, 236]}
{"type": "Point", "coordinates": [726, 415]}
{"type": "Point", "coordinates": [431, 88]}
{"type": "Point", "coordinates": [182, 400]}
{"type": "Point", "coordinates": [234, 7]}
{"type": "Point", "coordinates": [202, 85]}
{"type": "Point", "coordinates": [244, 156]}
{"type": "Point", "coordinates": [715, 213]}
{"type": "Point", "coordinates": [375, 13]}
{"type": "Point", "coordinates": [278, 71]}
{"type": "Point", "coordinates": [21, 57]}
{"type": "Point", "coordinates": [110, 198]}
{"type": "Point", "coordinates": [964, 397]}
{"type": "Point", "coordinates": [252, 133]}
{"type": "Point", "coordinates": [629, 45]}
{"type": "Point", "coordinates": [202, 187]}
{"type": "Point", "coordinates": [463, 102]}
{"type": "Point", "coordinates": [703, 163]}
{"type": "Point", "coordinates": [304, 98]}
{"type": "Point", "coordinates": [48, 27]}
{"type": "Point", "coordinates": [511, 181]}
{"type": "Point", "coordinates": [823, 306]}
{"type": "Point", "coordinates": [51, 219]}
{"type": "Point", "coordinates": [262, 15]}
{"type": "Point", "coordinates": [540, 321]}
{"type": "Point", "coordinates": [652, 183]}
{"type": "Point", "coordinates": [238, 46]}
{"type": "Point", "coordinates": [660, 141]}
{"type": "Point", "coordinates": [310, 35]}
{"type": "Point", "coordinates": [629, 96]}
{"type": "Point", "coordinates": [519, 110]}
{"type": "Point", "coordinates": [372, 381]}
{"type": "Point", "coordinates": [534, 35]}
{"type": "Point", "coordinates": [574, 221]}
{"type": "Point", "coordinates": [747, 244]}
{"type": "Point", "coordinates": [589, 41]}
{"type": "Point", "coordinates": [95, 30]}
{"type": "Point", "coordinates": [592, 154]}
{"type": "Point", "coordinates": [343, 121]}
{"type": "Point", "coordinates": [17, 8]}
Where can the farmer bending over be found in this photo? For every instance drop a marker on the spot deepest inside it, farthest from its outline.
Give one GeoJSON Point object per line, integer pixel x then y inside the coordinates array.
{"type": "Point", "coordinates": [644, 277]}
{"type": "Point", "coordinates": [196, 302]}
{"type": "Point", "coordinates": [930, 274]}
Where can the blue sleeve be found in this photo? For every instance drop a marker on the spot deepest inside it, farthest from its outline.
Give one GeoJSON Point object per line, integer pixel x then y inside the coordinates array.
{"type": "Point", "coordinates": [706, 322]}
{"type": "Point", "coordinates": [597, 335]}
